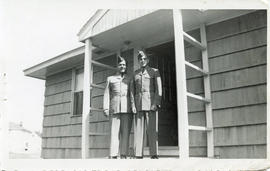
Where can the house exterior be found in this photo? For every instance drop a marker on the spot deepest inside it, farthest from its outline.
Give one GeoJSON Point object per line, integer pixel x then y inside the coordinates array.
{"type": "Point", "coordinates": [75, 127]}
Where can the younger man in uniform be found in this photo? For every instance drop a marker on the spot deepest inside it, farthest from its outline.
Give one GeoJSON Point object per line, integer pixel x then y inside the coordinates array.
{"type": "Point", "coordinates": [146, 93]}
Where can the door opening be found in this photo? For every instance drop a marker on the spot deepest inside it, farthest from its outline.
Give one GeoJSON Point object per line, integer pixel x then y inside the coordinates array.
{"type": "Point", "coordinates": [163, 58]}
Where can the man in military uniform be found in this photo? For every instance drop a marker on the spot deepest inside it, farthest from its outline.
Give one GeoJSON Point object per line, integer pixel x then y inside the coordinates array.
{"type": "Point", "coordinates": [116, 104]}
{"type": "Point", "coordinates": [146, 93]}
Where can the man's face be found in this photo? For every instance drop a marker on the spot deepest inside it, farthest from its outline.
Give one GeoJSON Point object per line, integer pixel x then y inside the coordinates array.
{"type": "Point", "coordinates": [122, 66]}
{"type": "Point", "coordinates": [143, 61]}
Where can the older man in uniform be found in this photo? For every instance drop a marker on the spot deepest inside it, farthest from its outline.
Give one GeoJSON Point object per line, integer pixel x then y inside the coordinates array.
{"type": "Point", "coordinates": [146, 93]}
{"type": "Point", "coordinates": [116, 104]}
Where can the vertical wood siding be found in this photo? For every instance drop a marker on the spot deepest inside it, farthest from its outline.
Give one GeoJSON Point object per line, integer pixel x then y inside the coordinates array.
{"type": "Point", "coordinates": [237, 56]}
{"type": "Point", "coordinates": [115, 17]}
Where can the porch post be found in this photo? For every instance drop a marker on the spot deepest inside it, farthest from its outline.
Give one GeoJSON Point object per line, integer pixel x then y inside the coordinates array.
{"type": "Point", "coordinates": [86, 98]}
{"type": "Point", "coordinates": [182, 108]}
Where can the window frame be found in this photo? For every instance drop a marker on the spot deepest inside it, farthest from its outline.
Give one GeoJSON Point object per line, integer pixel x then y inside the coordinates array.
{"type": "Point", "coordinates": [73, 91]}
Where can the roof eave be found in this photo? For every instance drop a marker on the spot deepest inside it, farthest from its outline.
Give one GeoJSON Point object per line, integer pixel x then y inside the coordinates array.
{"type": "Point", "coordinates": [34, 69]}
{"type": "Point", "coordinates": [84, 32]}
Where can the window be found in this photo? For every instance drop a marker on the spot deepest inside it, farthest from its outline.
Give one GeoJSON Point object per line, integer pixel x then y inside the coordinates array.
{"type": "Point", "coordinates": [77, 91]}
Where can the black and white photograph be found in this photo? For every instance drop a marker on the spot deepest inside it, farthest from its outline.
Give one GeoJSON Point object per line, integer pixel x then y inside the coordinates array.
{"type": "Point", "coordinates": [143, 86]}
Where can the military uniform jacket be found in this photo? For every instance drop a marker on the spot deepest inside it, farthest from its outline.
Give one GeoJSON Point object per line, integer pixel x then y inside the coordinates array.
{"type": "Point", "coordinates": [116, 95]}
{"type": "Point", "coordinates": [146, 89]}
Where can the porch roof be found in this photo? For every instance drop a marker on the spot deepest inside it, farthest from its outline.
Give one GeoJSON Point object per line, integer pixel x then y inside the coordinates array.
{"type": "Point", "coordinates": [150, 29]}
{"type": "Point", "coordinates": [157, 27]}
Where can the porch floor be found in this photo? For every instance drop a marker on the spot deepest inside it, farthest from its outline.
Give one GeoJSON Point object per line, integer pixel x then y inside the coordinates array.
{"type": "Point", "coordinates": [146, 164]}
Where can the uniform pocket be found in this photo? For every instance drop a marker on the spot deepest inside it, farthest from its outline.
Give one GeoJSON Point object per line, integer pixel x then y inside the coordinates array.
{"type": "Point", "coordinates": [147, 77]}
{"type": "Point", "coordinates": [115, 86]}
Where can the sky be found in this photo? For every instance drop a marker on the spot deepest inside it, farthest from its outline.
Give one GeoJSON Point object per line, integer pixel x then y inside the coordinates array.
{"type": "Point", "coordinates": [33, 31]}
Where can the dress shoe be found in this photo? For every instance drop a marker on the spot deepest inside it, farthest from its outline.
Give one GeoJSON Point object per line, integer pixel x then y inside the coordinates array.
{"type": "Point", "coordinates": [123, 156]}
{"type": "Point", "coordinates": [154, 157]}
{"type": "Point", "coordinates": [113, 157]}
{"type": "Point", "coordinates": [139, 157]}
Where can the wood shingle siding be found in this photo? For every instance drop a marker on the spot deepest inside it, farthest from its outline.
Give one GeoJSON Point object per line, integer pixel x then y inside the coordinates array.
{"type": "Point", "coordinates": [56, 120]}
{"type": "Point", "coordinates": [100, 127]}
{"type": "Point", "coordinates": [197, 118]}
{"type": "Point", "coordinates": [61, 153]}
{"type": "Point", "coordinates": [98, 152]}
{"type": "Point", "coordinates": [240, 135]}
{"type": "Point", "coordinates": [61, 132]}
{"type": "Point", "coordinates": [239, 97]}
{"type": "Point", "coordinates": [57, 109]}
{"type": "Point", "coordinates": [58, 78]}
{"type": "Point", "coordinates": [67, 142]}
{"type": "Point", "coordinates": [243, 151]}
{"type": "Point", "coordinates": [60, 98]}
{"type": "Point", "coordinates": [100, 142]}
{"type": "Point", "coordinates": [237, 43]}
{"type": "Point", "coordinates": [240, 116]}
{"type": "Point", "coordinates": [232, 77]}
{"type": "Point", "coordinates": [236, 25]}
{"type": "Point", "coordinates": [237, 61]}
{"type": "Point", "coordinates": [60, 120]}
{"type": "Point", "coordinates": [198, 151]}
{"type": "Point", "coordinates": [245, 55]}
{"type": "Point", "coordinates": [61, 87]}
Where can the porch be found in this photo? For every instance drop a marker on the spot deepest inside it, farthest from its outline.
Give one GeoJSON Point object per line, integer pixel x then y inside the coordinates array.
{"type": "Point", "coordinates": [152, 30]}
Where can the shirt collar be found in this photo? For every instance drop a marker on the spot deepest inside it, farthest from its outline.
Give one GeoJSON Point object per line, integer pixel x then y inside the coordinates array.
{"type": "Point", "coordinates": [145, 70]}
{"type": "Point", "coordinates": [118, 76]}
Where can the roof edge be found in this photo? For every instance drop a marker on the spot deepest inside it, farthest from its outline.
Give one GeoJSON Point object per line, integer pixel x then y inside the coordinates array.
{"type": "Point", "coordinates": [84, 27]}
{"type": "Point", "coordinates": [54, 60]}
{"type": "Point", "coordinates": [84, 31]}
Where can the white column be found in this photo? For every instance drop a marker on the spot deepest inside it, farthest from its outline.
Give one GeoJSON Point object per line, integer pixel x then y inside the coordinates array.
{"type": "Point", "coordinates": [86, 98]}
{"type": "Point", "coordinates": [207, 95]}
{"type": "Point", "coordinates": [182, 108]}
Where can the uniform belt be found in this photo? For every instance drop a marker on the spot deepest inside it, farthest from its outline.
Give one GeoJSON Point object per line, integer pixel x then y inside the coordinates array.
{"type": "Point", "coordinates": [151, 92]}
{"type": "Point", "coordinates": [119, 94]}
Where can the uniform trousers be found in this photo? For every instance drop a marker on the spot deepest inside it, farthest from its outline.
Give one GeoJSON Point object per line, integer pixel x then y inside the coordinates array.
{"type": "Point", "coordinates": [146, 121]}
{"type": "Point", "coordinates": [120, 130]}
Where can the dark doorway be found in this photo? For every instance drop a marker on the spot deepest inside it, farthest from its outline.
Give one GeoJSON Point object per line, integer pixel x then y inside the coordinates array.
{"type": "Point", "coordinates": [163, 58]}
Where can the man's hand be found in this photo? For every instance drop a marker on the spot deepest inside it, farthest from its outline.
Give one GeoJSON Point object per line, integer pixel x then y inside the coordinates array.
{"type": "Point", "coordinates": [106, 112]}
{"type": "Point", "coordinates": [153, 108]}
{"type": "Point", "coordinates": [134, 110]}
